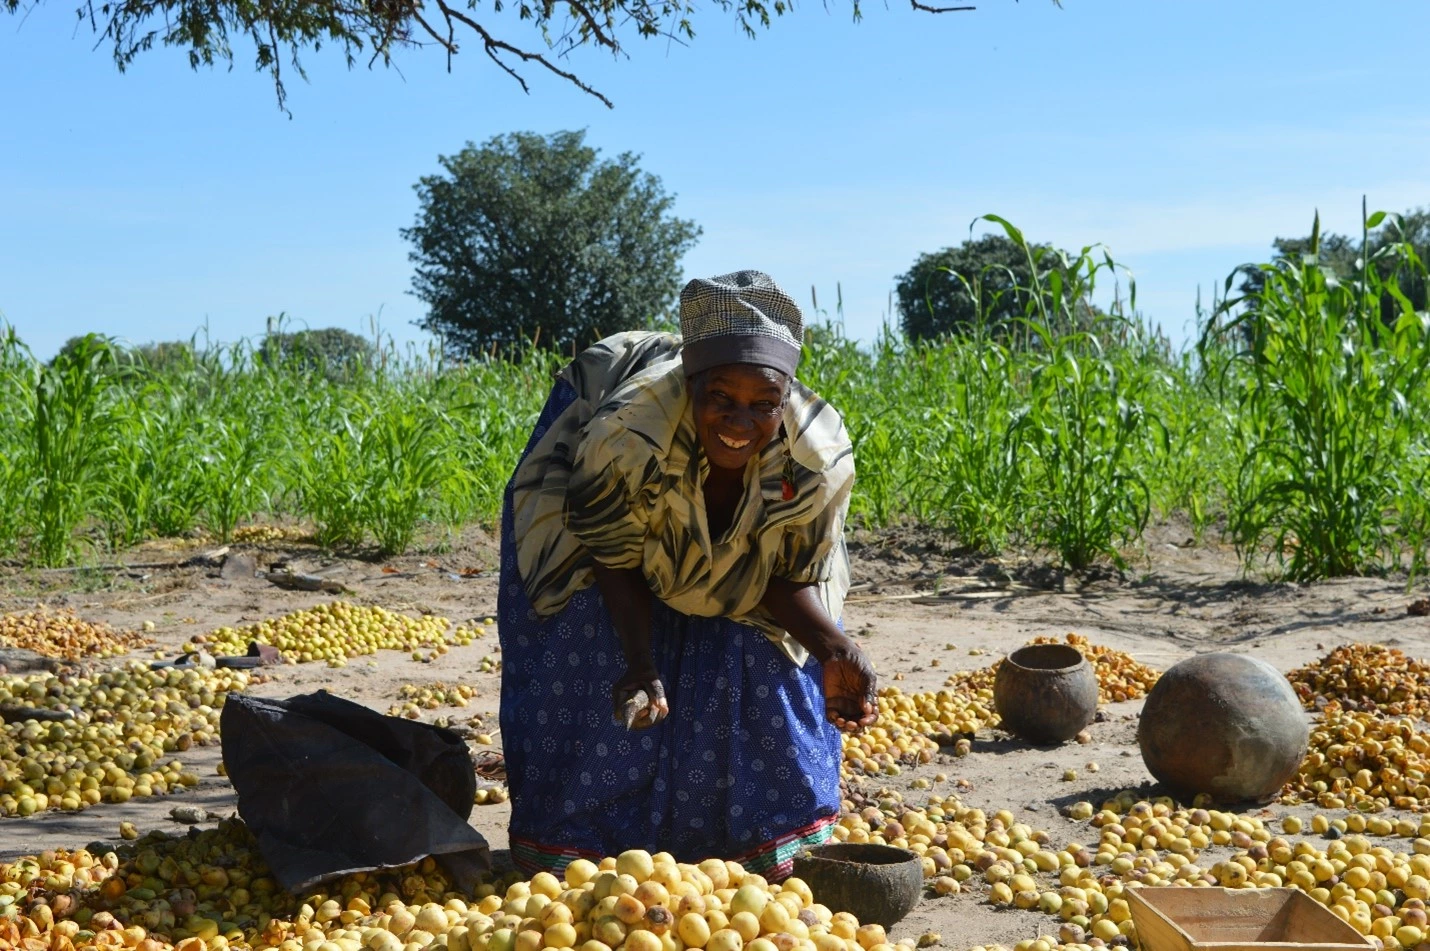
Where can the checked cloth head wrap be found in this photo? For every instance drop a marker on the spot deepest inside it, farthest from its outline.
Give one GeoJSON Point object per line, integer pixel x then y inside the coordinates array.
{"type": "Point", "coordinates": [742, 317]}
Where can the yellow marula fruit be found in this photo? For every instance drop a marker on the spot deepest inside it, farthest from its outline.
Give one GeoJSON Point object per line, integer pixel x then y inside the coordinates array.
{"type": "Point", "coordinates": [651, 892]}
{"type": "Point", "coordinates": [870, 935]}
{"type": "Point", "coordinates": [725, 940]}
{"type": "Point", "coordinates": [746, 925]}
{"type": "Point", "coordinates": [580, 872]}
{"type": "Point", "coordinates": [643, 941]}
{"type": "Point", "coordinates": [559, 936]}
{"type": "Point", "coordinates": [609, 930]}
{"type": "Point", "coordinates": [693, 930]}
{"type": "Point", "coordinates": [690, 905]}
{"type": "Point", "coordinates": [636, 863]}
{"type": "Point", "coordinates": [749, 899]}
{"type": "Point", "coordinates": [629, 910]}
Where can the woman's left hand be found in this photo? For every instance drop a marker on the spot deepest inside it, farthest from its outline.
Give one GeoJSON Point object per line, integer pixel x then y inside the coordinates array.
{"type": "Point", "coordinates": [850, 700]}
{"type": "Point", "coordinates": [850, 688]}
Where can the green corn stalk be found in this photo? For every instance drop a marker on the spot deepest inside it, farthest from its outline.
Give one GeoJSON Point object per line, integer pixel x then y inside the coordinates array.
{"type": "Point", "coordinates": [16, 389]}
{"type": "Point", "coordinates": [409, 468]}
{"type": "Point", "coordinates": [69, 436]}
{"type": "Point", "coordinates": [1085, 415]}
{"type": "Point", "coordinates": [1330, 408]}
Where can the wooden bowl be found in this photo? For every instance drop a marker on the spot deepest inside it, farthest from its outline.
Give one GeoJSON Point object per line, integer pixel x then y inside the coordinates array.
{"type": "Point", "coordinates": [878, 884]}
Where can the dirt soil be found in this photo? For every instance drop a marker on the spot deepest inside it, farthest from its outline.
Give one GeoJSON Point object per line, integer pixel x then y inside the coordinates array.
{"type": "Point", "coordinates": [920, 608]}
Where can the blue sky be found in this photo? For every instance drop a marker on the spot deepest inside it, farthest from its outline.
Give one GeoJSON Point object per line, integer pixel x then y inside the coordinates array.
{"type": "Point", "coordinates": [1185, 136]}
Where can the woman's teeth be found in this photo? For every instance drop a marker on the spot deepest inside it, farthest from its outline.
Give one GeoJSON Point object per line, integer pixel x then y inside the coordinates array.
{"type": "Point", "coordinates": [733, 443]}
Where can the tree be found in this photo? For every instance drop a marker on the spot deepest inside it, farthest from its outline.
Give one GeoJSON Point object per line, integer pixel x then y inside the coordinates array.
{"type": "Point", "coordinates": [331, 351]}
{"type": "Point", "coordinates": [1341, 255]}
{"type": "Point", "coordinates": [378, 29]}
{"type": "Point", "coordinates": [77, 344]}
{"type": "Point", "coordinates": [936, 295]}
{"type": "Point", "coordinates": [1338, 252]}
{"type": "Point", "coordinates": [164, 357]}
{"type": "Point", "coordinates": [531, 237]}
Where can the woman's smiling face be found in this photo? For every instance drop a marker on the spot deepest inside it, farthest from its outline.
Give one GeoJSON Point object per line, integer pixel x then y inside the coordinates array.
{"type": "Point", "coordinates": [738, 408]}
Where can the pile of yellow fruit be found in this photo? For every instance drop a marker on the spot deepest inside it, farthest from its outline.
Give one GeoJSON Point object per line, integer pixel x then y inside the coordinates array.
{"type": "Point", "coordinates": [1363, 761]}
{"type": "Point", "coordinates": [1366, 677]}
{"type": "Point", "coordinates": [1380, 892]}
{"type": "Point", "coordinates": [164, 889]}
{"type": "Point", "coordinates": [65, 635]}
{"type": "Point", "coordinates": [258, 534]}
{"type": "Point", "coordinates": [418, 697]}
{"type": "Point", "coordinates": [335, 632]}
{"type": "Point", "coordinates": [125, 724]}
{"type": "Point", "coordinates": [965, 849]}
{"type": "Point", "coordinates": [1140, 843]}
{"type": "Point", "coordinates": [1119, 676]}
{"type": "Point", "coordinates": [490, 795]}
{"type": "Point", "coordinates": [212, 892]}
{"type": "Point", "coordinates": [909, 728]}
{"type": "Point", "coordinates": [1375, 889]}
{"type": "Point", "coordinates": [471, 631]}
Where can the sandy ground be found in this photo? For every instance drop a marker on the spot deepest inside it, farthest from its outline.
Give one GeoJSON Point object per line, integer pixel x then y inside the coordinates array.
{"type": "Point", "coordinates": [912, 598]}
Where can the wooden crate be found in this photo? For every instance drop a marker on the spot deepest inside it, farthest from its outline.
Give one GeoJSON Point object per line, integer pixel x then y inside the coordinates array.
{"type": "Point", "coordinates": [1237, 919]}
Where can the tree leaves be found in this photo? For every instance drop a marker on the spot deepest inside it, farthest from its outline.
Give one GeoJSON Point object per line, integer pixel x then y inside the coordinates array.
{"type": "Point", "coordinates": [534, 239]}
{"type": "Point", "coordinates": [378, 29]}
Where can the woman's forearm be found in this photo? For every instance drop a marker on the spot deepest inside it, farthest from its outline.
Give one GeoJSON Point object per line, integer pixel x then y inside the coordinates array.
{"type": "Point", "coordinates": [796, 607]}
{"type": "Point", "coordinates": [628, 599]}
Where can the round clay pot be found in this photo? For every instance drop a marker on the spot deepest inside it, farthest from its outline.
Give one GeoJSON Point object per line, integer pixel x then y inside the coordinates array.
{"type": "Point", "coordinates": [1227, 725]}
{"type": "Point", "coordinates": [878, 884]}
{"type": "Point", "coordinates": [1045, 693]}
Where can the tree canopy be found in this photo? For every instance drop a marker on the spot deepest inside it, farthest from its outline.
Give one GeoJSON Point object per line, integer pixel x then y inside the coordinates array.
{"type": "Point", "coordinates": [535, 238]}
{"type": "Point", "coordinates": [331, 351]}
{"type": "Point", "coordinates": [164, 356]}
{"type": "Point", "coordinates": [376, 30]}
{"type": "Point", "coordinates": [1341, 255]}
{"type": "Point", "coordinates": [983, 283]}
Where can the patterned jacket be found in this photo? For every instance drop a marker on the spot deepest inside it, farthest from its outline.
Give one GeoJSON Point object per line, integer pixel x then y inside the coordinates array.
{"type": "Point", "coordinates": [618, 476]}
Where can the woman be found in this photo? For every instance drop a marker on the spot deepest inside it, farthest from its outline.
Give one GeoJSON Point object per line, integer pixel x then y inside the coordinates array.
{"type": "Point", "coordinates": [672, 548]}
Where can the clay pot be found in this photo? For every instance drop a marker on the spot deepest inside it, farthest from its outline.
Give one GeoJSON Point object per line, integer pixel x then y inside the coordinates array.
{"type": "Point", "coordinates": [878, 884]}
{"type": "Point", "coordinates": [1045, 693]}
{"type": "Point", "coordinates": [1227, 725]}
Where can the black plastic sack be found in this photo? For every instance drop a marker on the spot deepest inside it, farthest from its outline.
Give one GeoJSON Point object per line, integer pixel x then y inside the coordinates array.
{"type": "Point", "coordinates": [329, 787]}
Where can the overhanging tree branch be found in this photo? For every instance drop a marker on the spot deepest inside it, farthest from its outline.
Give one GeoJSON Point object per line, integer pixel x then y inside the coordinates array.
{"type": "Point", "coordinates": [494, 47]}
{"type": "Point", "coordinates": [282, 29]}
{"type": "Point", "coordinates": [928, 9]}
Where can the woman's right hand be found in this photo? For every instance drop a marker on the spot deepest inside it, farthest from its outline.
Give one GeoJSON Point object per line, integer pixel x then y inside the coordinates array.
{"type": "Point", "coordinates": [638, 699]}
{"type": "Point", "coordinates": [851, 696]}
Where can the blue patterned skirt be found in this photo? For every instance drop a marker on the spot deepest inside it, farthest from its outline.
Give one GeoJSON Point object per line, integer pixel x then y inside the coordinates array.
{"type": "Point", "coordinates": [746, 767]}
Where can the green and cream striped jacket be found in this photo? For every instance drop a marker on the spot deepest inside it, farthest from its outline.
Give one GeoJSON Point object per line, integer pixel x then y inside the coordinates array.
{"type": "Point", "coordinates": [618, 476]}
